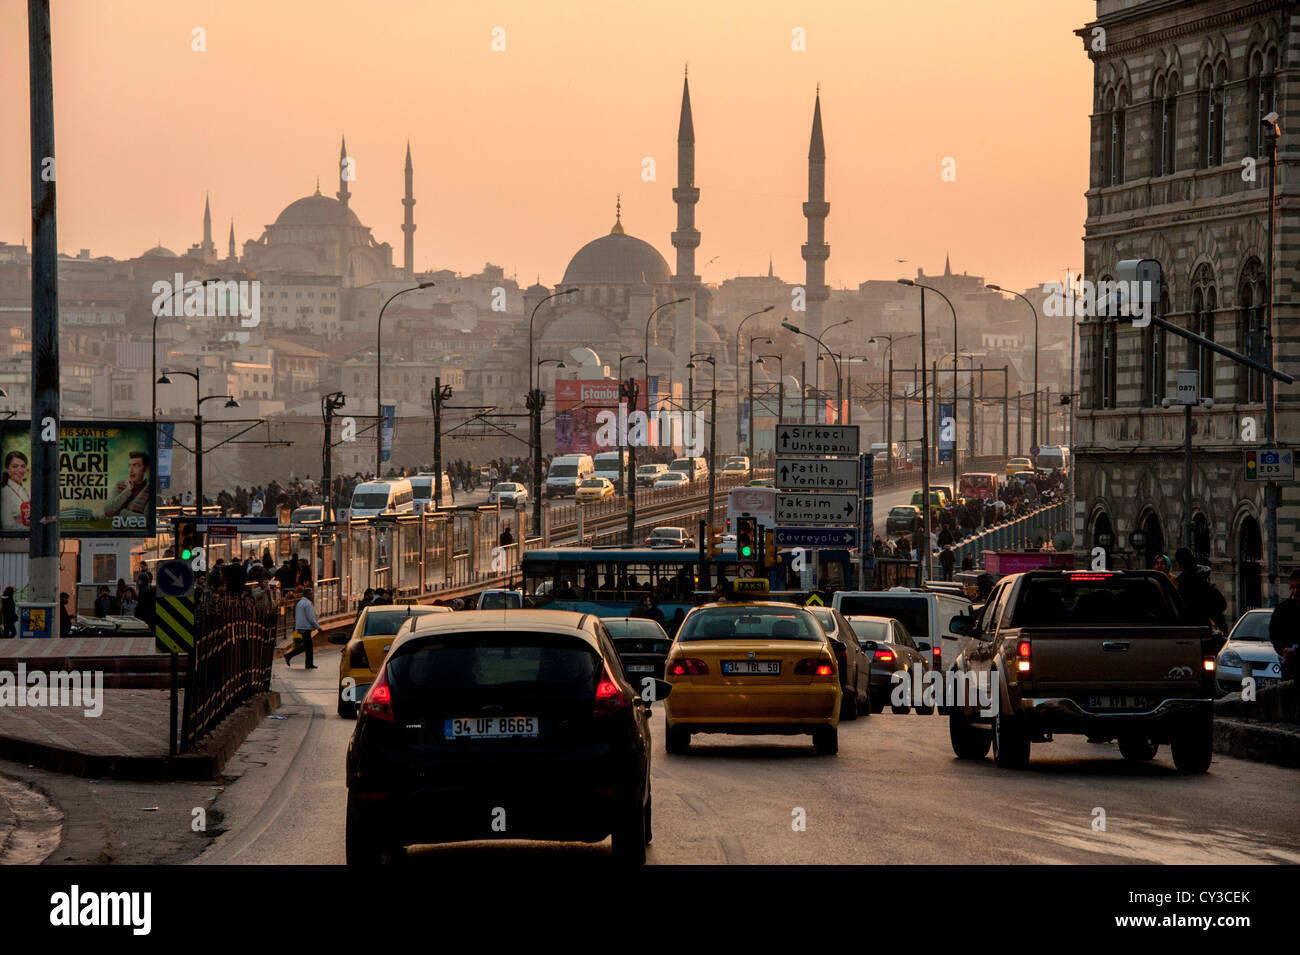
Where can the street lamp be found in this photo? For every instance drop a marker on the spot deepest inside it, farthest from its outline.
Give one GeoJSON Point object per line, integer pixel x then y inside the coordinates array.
{"type": "Point", "coordinates": [926, 561]}
{"type": "Point", "coordinates": [761, 311]}
{"type": "Point", "coordinates": [153, 367]}
{"type": "Point", "coordinates": [621, 359]}
{"type": "Point", "coordinates": [533, 402]}
{"type": "Point", "coordinates": [1033, 428]}
{"type": "Point", "coordinates": [780, 382]}
{"type": "Point", "coordinates": [379, 375]}
{"type": "Point", "coordinates": [690, 378]}
{"type": "Point", "coordinates": [848, 403]}
{"type": "Point", "coordinates": [889, 420]}
{"type": "Point", "coordinates": [328, 405]}
{"type": "Point", "coordinates": [198, 430]}
{"type": "Point", "coordinates": [955, 370]}
{"type": "Point", "coordinates": [713, 426]}
{"type": "Point", "coordinates": [839, 383]}
{"type": "Point", "coordinates": [631, 457]}
{"type": "Point", "coordinates": [754, 339]}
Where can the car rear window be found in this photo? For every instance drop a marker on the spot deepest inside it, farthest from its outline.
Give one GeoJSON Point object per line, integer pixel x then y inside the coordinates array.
{"type": "Point", "coordinates": [494, 661]}
{"type": "Point", "coordinates": [636, 629]}
{"type": "Point", "coordinates": [876, 630]}
{"type": "Point", "coordinates": [387, 624]}
{"type": "Point", "coordinates": [911, 611]}
{"type": "Point", "coordinates": [750, 623]}
{"type": "Point", "coordinates": [1109, 601]}
{"type": "Point", "coordinates": [506, 601]}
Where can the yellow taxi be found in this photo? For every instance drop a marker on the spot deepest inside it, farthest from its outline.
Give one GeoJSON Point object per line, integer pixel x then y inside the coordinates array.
{"type": "Point", "coordinates": [594, 489]}
{"type": "Point", "coordinates": [366, 644]}
{"type": "Point", "coordinates": [1019, 464]}
{"type": "Point", "coordinates": [752, 667]}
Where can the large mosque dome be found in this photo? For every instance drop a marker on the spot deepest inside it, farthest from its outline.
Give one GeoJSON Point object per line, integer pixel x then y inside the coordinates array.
{"type": "Point", "coordinates": [315, 210]}
{"type": "Point", "coordinates": [617, 259]}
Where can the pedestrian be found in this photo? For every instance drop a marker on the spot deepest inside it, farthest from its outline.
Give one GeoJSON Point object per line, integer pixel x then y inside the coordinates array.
{"type": "Point", "coordinates": [1284, 629]}
{"type": "Point", "coordinates": [1202, 598]}
{"type": "Point", "coordinates": [1162, 564]}
{"type": "Point", "coordinates": [968, 562]}
{"type": "Point", "coordinates": [236, 578]}
{"type": "Point", "coordinates": [106, 604]}
{"type": "Point", "coordinates": [367, 598]}
{"type": "Point", "coordinates": [507, 538]}
{"type": "Point", "coordinates": [144, 598]}
{"type": "Point", "coordinates": [130, 600]}
{"type": "Point", "coordinates": [10, 613]}
{"type": "Point", "coordinates": [304, 625]}
{"type": "Point", "coordinates": [304, 572]}
{"type": "Point", "coordinates": [65, 615]}
{"type": "Point", "coordinates": [287, 574]}
{"type": "Point", "coordinates": [260, 595]}
{"type": "Point", "coordinates": [120, 592]}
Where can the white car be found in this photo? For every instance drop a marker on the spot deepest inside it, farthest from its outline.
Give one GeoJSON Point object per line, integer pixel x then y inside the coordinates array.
{"type": "Point", "coordinates": [508, 493]}
{"type": "Point", "coordinates": [671, 479]}
{"type": "Point", "coordinates": [669, 537]}
{"type": "Point", "coordinates": [647, 474]}
{"type": "Point", "coordinates": [1248, 643]}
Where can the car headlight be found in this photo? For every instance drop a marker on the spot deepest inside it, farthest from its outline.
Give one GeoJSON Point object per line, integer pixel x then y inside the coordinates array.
{"type": "Point", "coordinates": [1230, 658]}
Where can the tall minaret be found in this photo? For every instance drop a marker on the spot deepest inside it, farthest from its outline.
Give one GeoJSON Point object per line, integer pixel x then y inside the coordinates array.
{"type": "Point", "coordinates": [207, 251]}
{"type": "Point", "coordinates": [231, 256]}
{"type": "Point", "coordinates": [686, 239]}
{"type": "Point", "coordinates": [815, 250]}
{"type": "Point", "coordinates": [343, 195]}
{"type": "Point", "coordinates": [408, 225]}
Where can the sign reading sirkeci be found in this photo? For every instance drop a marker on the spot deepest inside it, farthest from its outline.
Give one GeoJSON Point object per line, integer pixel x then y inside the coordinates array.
{"type": "Point", "coordinates": [817, 439]}
{"type": "Point", "coordinates": [814, 474]}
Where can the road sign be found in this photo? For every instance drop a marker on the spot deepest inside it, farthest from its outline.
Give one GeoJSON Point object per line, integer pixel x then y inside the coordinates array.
{"type": "Point", "coordinates": [746, 571]}
{"type": "Point", "coordinates": [1270, 464]}
{"type": "Point", "coordinates": [1033, 451]}
{"type": "Point", "coordinates": [175, 578]}
{"type": "Point", "coordinates": [1189, 386]}
{"type": "Point", "coordinates": [817, 439]}
{"type": "Point", "coordinates": [812, 474]}
{"type": "Point", "coordinates": [816, 536]}
{"type": "Point", "coordinates": [839, 509]}
{"type": "Point", "coordinates": [173, 630]}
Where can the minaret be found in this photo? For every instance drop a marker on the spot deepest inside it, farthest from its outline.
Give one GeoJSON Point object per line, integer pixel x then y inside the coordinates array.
{"type": "Point", "coordinates": [686, 239]}
{"type": "Point", "coordinates": [815, 250]}
{"type": "Point", "coordinates": [207, 251]}
{"type": "Point", "coordinates": [947, 266]}
{"type": "Point", "coordinates": [408, 224]}
{"type": "Point", "coordinates": [343, 195]}
{"type": "Point", "coordinates": [231, 256]}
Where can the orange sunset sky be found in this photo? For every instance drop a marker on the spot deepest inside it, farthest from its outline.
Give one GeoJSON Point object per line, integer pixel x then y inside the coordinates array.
{"type": "Point", "coordinates": [519, 154]}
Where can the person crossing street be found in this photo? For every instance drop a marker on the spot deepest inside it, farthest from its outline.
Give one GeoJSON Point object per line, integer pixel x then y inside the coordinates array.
{"type": "Point", "coordinates": [304, 625]}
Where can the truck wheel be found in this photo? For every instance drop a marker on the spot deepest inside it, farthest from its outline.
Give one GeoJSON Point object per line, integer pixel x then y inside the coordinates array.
{"type": "Point", "coordinates": [1138, 748]}
{"type": "Point", "coordinates": [849, 706]}
{"type": "Point", "coordinates": [677, 740]}
{"type": "Point", "coordinates": [1010, 744]}
{"type": "Point", "coordinates": [1193, 747]}
{"type": "Point", "coordinates": [968, 741]}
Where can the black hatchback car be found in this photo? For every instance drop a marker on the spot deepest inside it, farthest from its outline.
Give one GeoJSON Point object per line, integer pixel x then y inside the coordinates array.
{"type": "Point", "coordinates": [483, 725]}
{"type": "Point", "coordinates": [642, 646]}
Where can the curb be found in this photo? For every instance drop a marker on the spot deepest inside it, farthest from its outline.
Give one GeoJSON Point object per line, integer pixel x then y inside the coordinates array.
{"type": "Point", "coordinates": [1265, 743]}
{"type": "Point", "coordinates": [215, 751]}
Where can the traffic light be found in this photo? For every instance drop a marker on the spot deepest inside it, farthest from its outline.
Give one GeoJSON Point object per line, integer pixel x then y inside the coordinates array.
{"type": "Point", "coordinates": [769, 548]}
{"type": "Point", "coordinates": [188, 540]}
{"type": "Point", "coordinates": [713, 541]}
{"type": "Point", "coordinates": [746, 538]}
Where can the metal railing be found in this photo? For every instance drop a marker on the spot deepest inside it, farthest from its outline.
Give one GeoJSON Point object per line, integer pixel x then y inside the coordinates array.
{"type": "Point", "coordinates": [1033, 529]}
{"type": "Point", "coordinates": [233, 647]}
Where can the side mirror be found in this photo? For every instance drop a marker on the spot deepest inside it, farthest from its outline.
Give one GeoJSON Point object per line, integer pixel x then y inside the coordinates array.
{"type": "Point", "coordinates": [662, 689]}
{"type": "Point", "coordinates": [960, 625]}
{"type": "Point", "coordinates": [869, 645]}
{"type": "Point", "coordinates": [340, 636]}
{"type": "Point", "coordinates": [837, 646]}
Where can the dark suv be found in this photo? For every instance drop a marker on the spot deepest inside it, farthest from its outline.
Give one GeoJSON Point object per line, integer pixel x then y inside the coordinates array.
{"type": "Point", "coordinates": [484, 726]}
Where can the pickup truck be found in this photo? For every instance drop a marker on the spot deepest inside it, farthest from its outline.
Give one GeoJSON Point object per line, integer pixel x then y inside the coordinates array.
{"type": "Point", "coordinates": [1111, 656]}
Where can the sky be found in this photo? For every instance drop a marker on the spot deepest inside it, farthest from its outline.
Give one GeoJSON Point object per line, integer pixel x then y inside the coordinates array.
{"type": "Point", "coordinates": [527, 119]}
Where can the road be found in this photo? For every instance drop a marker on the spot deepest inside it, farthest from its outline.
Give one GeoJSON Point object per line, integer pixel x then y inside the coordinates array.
{"type": "Point", "coordinates": [895, 793]}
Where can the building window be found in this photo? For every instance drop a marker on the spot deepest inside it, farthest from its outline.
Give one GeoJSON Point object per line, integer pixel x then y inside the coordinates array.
{"type": "Point", "coordinates": [1164, 124]}
{"type": "Point", "coordinates": [1252, 297]}
{"type": "Point", "coordinates": [1214, 80]}
{"type": "Point", "coordinates": [1262, 93]}
{"type": "Point", "coordinates": [1205, 300]}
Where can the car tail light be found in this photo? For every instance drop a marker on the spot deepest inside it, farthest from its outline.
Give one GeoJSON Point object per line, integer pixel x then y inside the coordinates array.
{"type": "Point", "coordinates": [379, 700]}
{"type": "Point", "coordinates": [937, 652]}
{"type": "Point", "coordinates": [610, 697]}
{"type": "Point", "coordinates": [357, 658]}
{"type": "Point", "coordinates": [814, 666]}
{"type": "Point", "coordinates": [883, 656]}
{"type": "Point", "coordinates": [1024, 665]}
{"type": "Point", "coordinates": [686, 667]}
{"type": "Point", "coordinates": [1208, 664]}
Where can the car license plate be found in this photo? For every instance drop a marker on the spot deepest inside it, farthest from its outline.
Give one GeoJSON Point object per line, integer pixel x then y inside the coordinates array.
{"type": "Point", "coordinates": [1265, 680]}
{"type": "Point", "coordinates": [490, 727]}
{"type": "Point", "coordinates": [751, 667]}
{"type": "Point", "coordinates": [640, 668]}
{"type": "Point", "coordinates": [1119, 703]}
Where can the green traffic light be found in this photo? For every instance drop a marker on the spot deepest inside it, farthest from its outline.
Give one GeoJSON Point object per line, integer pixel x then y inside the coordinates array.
{"type": "Point", "coordinates": [186, 554]}
{"type": "Point", "coordinates": [746, 551]}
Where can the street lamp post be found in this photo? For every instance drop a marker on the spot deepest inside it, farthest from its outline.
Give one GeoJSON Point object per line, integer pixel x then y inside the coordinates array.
{"type": "Point", "coordinates": [198, 430]}
{"type": "Point", "coordinates": [955, 371]}
{"type": "Point", "coordinates": [848, 390]}
{"type": "Point", "coordinates": [761, 311]}
{"type": "Point", "coordinates": [533, 402]}
{"type": "Point", "coordinates": [925, 443]}
{"type": "Point", "coordinates": [153, 357]}
{"type": "Point", "coordinates": [780, 385]}
{"type": "Point", "coordinates": [889, 425]}
{"type": "Point", "coordinates": [713, 428]}
{"type": "Point", "coordinates": [839, 382]}
{"type": "Point", "coordinates": [328, 405]}
{"type": "Point", "coordinates": [750, 406]}
{"type": "Point", "coordinates": [631, 456]}
{"type": "Point", "coordinates": [379, 375]}
{"type": "Point", "coordinates": [1033, 427]}
{"type": "Point", "coordinates": [437, 396]}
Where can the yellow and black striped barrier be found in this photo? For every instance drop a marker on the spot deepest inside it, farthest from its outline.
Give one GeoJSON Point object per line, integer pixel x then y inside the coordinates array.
{"type": "Point", "coordinates": [173, 625]}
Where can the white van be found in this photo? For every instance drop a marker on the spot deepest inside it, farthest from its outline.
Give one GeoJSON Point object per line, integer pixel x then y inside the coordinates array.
{"type": "Point", "coordinates": [926, 616]}
{"type": "Point", "coordinates": [1054, 456]}
{"type": "Point", "coordinates": [422, 487]}
{"type": "Point", "coordinates": [695, 469]}
{"type": "Point", "coordinates": [501, 600]}
{"type": "Point", "coordinates": [376, 498]}
{"type": "Point", "coordinates": [566, 472]}
{"type": "Point", "coordinates": [612, 466]}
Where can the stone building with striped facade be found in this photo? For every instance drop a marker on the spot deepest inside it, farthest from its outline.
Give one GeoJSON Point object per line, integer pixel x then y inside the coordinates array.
{"type": "Point", "coordinates": [1179, 174]}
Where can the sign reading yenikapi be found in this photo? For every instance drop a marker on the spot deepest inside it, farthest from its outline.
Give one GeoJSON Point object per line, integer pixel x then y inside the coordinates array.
{"type": "Point", "coordinates": [813, 474]}
{"type": "Point", "coordinates": [817, 439]}
{"type": "Point", "coordinates": [106, 485]}
{"type": "Point", "coordinates": [794, 508]}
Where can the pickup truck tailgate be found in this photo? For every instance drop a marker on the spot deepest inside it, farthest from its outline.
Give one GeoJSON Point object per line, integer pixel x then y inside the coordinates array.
{"type": "Point", "coordinates": [1084, 659]}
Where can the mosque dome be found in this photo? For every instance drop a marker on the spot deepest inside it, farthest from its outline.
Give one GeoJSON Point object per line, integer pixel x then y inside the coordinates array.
{"type": "Point", "coordinates": [315, 210]}
{"type": "Point", "coordinates": [617, 259]}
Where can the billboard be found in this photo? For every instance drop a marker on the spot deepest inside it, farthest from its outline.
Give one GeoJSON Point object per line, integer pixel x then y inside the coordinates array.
{"type": "Point", "coordinates": [106, 479]}
{"type": "Point", "coordinates": [947, 432]}
{"type": "Point", "coordinates": [577, 406]}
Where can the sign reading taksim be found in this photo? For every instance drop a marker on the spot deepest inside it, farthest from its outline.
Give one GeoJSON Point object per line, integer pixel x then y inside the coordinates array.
{"type": "Point", "coordinates": [815, 474]}
{"type": "Point", "coordinates": [794, 508]}
{"type": "Point", "coordinates": [839, 439]}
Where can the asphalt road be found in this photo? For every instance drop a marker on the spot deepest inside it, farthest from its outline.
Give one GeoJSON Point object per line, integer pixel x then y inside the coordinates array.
{"type": "Point", "coordinates": [895, 793]}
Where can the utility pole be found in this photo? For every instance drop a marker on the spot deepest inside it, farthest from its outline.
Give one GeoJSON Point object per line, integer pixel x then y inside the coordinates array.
{"type": "Point", "coordinates": [1006, 412]}
{"type": "Point", "coordinates": [889, 418]}
{"type": "Point", "coordinates": [803, 391]}
{"type": "Point", "coordinates": [43, 548]}
{"type": "Point", "coordinates": [439, 394]}
{"type": "Point", "coordinates": [713, 444]}
{"type": "Point", "coordinates": [1271, 490]}
{"type": "Point", "coordinates": [329, 404]}
{"type": "Point", "coordinates": [628, 394]}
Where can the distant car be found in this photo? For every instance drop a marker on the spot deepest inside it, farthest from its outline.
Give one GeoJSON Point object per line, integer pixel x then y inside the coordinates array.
{"type": "Point", "coordinates": [1019, 464]}
{"type": "Point", "coordinates": [647, 473]}
{"type": "Point", "coordinates": [477, 714]}
{"type": "Point", "coordinates": [364, 645]}
{"type": "Point", "coordinates": [500, 600]}
{"type": "Point", "coordinates": [736, 467]}
{"type": "Point", "coordinates": [642, 646]}
{"type": "Point", "coordinates": [595, 489]}
{"type": "Point", "coordinates": [508, 493]}
{"type": "Point", "coordinates": [892, 650]}
{"type": "Point", "coordinates": [903, 519]}
{"type": "Point", "coordinates": [669, 537]}
{"type": "Point", "coordinates": [310, 514]}
{"type": "Point", "coordinates": [1024, 477]}
{"type": "Point", "coordinates": [758, 482]}
{"type": "Point", "coordinates": [1248, 643]}
{"type": "Point", "coordinates": [854, 664]}
{"type": "Point", "coordinates": [671, 479]}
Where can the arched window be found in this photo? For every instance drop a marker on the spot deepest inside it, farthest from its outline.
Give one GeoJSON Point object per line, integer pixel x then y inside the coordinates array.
{"type": "Point", "coordinates": [1164, 124]}
{"type": "Point", "coordinates": [1201, 538]}
{"type": "Point", "coordinates": [1154, 359]}
{"type": "Point", "coordinates": [1261, 97]}
{"type": "Point", "coordinates": [1252, 295]}
{"type": "Point", "coordinates": [1104, 134]}
{"type": "Point", "coordinates": [1205, 300]}
{"type": "Point", "coordinates": [1115, 140]}
{"type": "Point", "coordinates": [1213, 81]}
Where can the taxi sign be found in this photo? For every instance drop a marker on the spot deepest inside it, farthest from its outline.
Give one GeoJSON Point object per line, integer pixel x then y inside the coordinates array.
{"type": "Point", "coordinates": [404, 601]}
{"type": "Point", "coordinates": [751, 585]}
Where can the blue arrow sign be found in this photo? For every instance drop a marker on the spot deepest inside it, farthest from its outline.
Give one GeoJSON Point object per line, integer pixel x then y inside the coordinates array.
{"type": "Point", "coordinates": [175, 578]}
{"type": "Point", "coordinates": [816, 536]}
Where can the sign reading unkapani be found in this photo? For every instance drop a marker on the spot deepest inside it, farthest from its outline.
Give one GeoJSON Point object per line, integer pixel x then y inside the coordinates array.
{"type": "Point", "coordinates": [106, 479]}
